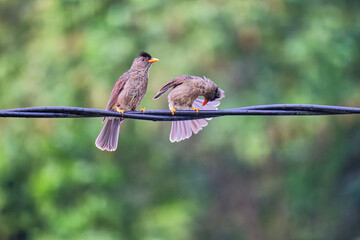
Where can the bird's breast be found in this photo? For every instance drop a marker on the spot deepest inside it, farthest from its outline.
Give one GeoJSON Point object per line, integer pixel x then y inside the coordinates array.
{"type": "Point", "coordinates": [133, 93]}
{"type": "Point", "coordinates": [138, 86]}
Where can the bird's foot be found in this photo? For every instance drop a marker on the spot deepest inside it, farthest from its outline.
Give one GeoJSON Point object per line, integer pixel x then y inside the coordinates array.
{"type": "Point", "coordinates": [195, 109]}
{"type": "Point", "coordinates": [119, 110]}
{"type": "Point", "coordinates": [142, 110]}
{"type": "Point", "coordinates": [172, 110]}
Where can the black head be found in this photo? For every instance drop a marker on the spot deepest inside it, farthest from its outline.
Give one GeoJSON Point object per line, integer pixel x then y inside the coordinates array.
{"type": "Point", "coordinates": [219, 94]}
{"type": "Point", "coordinates": [145, 55]}
{"type": "Point", "coordinates": [143, 61]}
{"type": "Point", "coordinates": [213, 92]}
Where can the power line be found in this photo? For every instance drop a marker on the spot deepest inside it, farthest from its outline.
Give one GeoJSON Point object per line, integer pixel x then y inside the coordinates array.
{"type": "Point", "coordinates": [165, 115]}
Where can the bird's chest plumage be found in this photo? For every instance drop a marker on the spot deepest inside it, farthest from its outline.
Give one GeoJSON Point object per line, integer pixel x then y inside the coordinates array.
{"type": "Point", "coordinates": [133, 92]}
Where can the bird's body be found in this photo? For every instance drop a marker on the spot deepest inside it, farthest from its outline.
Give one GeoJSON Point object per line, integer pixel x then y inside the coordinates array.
{"type": "Point", "coordinates": [133, 92]}
{"type": "Point", "coordinates": [184, 96]}
{"type": "Point", "coordinates": [126, 95]}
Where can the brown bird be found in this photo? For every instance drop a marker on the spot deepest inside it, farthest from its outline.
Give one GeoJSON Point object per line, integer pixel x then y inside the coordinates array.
{"type": "Point", "coordinates": [126, 95]}
{"type": "Point", "coordinates": [184, 96]}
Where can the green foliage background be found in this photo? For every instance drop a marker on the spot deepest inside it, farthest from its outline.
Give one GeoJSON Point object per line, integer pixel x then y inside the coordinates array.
{"type": "Point", "coordinates": [240, 178]}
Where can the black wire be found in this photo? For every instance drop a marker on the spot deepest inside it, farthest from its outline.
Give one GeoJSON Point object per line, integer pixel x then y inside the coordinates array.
{"type": "Point", "coordinates": [165, 115]}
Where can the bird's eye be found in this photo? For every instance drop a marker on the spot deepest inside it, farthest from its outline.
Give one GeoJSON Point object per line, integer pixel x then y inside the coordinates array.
{"type": "Point", "coordinates": [143, 59]}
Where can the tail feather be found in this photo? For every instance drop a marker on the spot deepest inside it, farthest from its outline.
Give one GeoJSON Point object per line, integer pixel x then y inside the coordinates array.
{"type": "Point", "coordinates": [187, 128]}
{"type": "Point", "coordinates": [211, 105]}
{"type": "Point", "coordinates": [172, 131]}
{"type": "Point", "coordinates": [181, 130]}
{"type": "Point", "coordinates": [195, 126]}
{"type": "Point", "coordinates": [109, 135]}
{"type": "Point", "coordinates": [181, 134]}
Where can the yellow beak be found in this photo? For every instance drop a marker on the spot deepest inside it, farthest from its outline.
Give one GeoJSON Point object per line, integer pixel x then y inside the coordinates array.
{"type": "Point", "coordinates": [153, 60]}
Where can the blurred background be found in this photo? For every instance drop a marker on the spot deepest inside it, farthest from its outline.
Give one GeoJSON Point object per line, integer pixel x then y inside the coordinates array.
{"type": "Point", "coordinates": [251, 178]}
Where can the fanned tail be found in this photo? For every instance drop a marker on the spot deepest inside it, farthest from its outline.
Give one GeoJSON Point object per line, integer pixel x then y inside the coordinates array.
{"type": "Point", "coordinates": [181, 130]}
{"type": "Point", "coordinates": [109, 135]}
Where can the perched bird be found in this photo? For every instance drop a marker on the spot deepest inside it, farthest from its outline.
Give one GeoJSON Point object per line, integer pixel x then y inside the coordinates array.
{"type": "Point", "coordinates": [184, 96]}
{"type": "Point", "coordinates": [126, 95]}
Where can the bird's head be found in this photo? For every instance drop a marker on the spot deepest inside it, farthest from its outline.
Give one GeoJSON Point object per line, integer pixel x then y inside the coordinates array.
{"type": "Point", "coordinates": [143, 61]}
{"type": "Point", "coordinates": [213, 92]}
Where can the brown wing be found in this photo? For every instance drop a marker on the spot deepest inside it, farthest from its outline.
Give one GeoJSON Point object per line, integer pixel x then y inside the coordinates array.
{"type": "Point", "coordinates": [118, 87]}
{"type": "Point", "coordinates": [173, 83]}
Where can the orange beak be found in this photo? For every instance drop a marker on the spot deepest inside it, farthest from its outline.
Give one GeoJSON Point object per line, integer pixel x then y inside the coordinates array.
{"type": "Point", "coordinates": [152, 60]}
{"type": "Point", "coordinates": [205, 102]}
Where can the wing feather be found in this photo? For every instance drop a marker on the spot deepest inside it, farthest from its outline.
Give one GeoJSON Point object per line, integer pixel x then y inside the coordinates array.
{"type": "Point", "coordinates": [118, 87]}
{"type": "Point", "coordinates": [173, 83]}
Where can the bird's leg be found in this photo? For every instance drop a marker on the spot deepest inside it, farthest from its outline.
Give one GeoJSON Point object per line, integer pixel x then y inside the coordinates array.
{"type": "Point", "coordinates": [172, 110]}
{"type": "Point", "coordinates": [195, 109]}
{"type": "Point", "coordinates": [119, 110]}
{"type": "Point", "coordinates": [141, 110]}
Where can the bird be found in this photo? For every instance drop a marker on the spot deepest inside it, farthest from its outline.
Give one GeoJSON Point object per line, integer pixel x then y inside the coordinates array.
{"type": "Point", "coordinates": [126, 95]}
{"type": "Point", "coordinates": [184, 95]}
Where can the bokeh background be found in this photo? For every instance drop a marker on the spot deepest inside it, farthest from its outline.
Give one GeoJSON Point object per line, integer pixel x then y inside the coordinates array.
{"type": "Point", "coordinates": [252, 178]}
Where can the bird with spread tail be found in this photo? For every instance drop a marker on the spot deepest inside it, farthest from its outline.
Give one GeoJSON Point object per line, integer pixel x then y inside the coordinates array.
{"type": "Point", "coordinates": [184, 95]}
{"type": "Point", "coordinates": [126, 95]}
